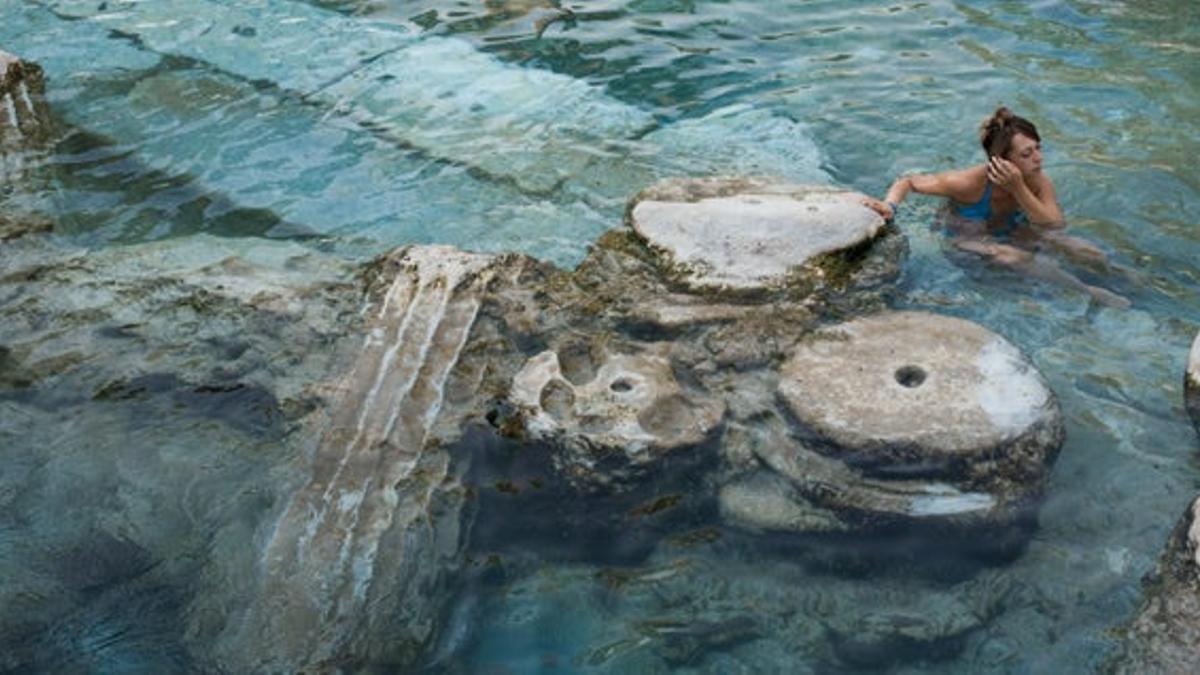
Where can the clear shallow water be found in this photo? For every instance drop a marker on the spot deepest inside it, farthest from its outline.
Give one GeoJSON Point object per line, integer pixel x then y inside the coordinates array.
{"type": "Point", "coordinates": [165, 146]}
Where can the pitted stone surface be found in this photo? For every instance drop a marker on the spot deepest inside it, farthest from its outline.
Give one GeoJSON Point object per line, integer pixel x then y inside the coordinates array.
{"type": "Point", "coordinates": [921, 390]}
{"type": "Point", "coordinates": [1191, 384]}
{"type": "Point", "coordinates": [744, 234]}
{"type": "Point", "coordinates": [632, 406]}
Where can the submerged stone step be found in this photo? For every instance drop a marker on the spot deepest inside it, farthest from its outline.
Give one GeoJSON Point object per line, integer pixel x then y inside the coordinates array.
{"type": "Point", "coordinates": [240, 147]}
{"type": "Point", "coordinates": [292, 44]}
{"type": "Point", "coordinates": [529, 131]}
{"type": "Point", "coordinates": [537, 130]}
{"type": "Point", "coordinates": [748, 234]}
{"type": "Point", "coordinates": [530, 126]}
{"type": "Point", "coordinates": [439, 95]}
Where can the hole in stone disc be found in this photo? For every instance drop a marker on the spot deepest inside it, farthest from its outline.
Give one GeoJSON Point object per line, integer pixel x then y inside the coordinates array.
{"type": "Point", "coordinates": [910, 376]}
{"type": "Point", "coordinates": [620, 385]}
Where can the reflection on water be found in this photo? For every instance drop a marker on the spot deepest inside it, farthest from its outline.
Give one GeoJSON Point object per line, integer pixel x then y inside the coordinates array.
{"type": "Point", "coordinates": [136, 455]}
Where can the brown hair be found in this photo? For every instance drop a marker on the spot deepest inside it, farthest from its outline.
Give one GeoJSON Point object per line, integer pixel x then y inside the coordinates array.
{"type": "Point", "coordinates": [996, 133]}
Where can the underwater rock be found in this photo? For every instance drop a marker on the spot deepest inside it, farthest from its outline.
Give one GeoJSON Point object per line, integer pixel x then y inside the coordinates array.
{"type": "Point", "coordinates": [744, 234]}
{"type": "Point", "coordinates": [373, 524]}
{"type": "Point", "coordinates": [711, 613]}
{"type": "Point", "coordinates": [1191, 384]}
{"type": "Point", "coordinates": [24, 116]}
{"type": "Point", "coordinates": [15, 226]}
{"type": "Point", "coordinates": [615, 415]}
{"type": "Point", "coordinates": [206, 310]}
{"type": "Point", "coordinates": [1164, 635]}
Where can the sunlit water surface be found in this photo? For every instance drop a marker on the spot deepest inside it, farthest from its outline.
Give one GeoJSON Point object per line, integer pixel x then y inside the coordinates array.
{"type": "Point", "coordinates": [159, 147]}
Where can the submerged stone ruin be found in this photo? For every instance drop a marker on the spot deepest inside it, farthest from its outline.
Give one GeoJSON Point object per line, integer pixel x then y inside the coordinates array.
{"type": "Point", "coordinates": [727, 360]}
{"type": "Point", "coordinates": [730, 385]}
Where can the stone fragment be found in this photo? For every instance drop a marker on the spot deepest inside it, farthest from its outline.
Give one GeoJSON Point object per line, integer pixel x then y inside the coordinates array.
{"type": "Point", "coordinates": [677, 311]}
{"type": "Point", "coordinates": [746, 234]}
{"type": "Point", "coordinates": [24, 117]}
{"type": "Point", "coordinates": [912, 394]}
{"type": "Point", "coordinates": [1162, 638]}
{"type": "Point", "coordinates": [615, 415]}
{"type": "Point", "coordinates": [1191, 384]}
{"type": "Point", "coordinates": [765, 501]}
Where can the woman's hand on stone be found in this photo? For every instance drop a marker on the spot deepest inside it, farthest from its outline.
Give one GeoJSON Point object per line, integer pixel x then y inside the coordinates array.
{"type": "Point", "coordinates": [882, 208]}
{"type": "Point", "coordinates": [1003, 172]}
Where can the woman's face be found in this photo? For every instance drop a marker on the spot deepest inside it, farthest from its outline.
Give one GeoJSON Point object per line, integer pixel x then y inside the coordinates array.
{"type": "Point", "coordinates": [1026, 153]}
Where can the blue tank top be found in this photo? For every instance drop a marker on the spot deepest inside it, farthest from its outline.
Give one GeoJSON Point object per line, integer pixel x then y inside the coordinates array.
{"type": "Point", "coordinates": [982, 210]}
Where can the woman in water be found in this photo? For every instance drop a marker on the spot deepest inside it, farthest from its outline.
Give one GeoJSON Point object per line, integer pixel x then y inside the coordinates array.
{"type": "Point", "coordinates": [1007, 208]}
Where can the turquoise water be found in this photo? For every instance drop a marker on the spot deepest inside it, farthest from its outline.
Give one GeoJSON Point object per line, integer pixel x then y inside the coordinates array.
{"type": "Point", "coordinates": [163, 138]}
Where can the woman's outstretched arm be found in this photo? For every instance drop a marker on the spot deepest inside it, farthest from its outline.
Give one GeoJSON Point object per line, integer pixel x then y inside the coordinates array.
{"type": "Point", "coordinates": [956, 184]}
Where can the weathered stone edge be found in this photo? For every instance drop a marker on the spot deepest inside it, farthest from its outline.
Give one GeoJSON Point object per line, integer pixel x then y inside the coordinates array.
{"type": "Point", "coordinates": [1164, 634]}
{"type": "Point", "coordinates": [1191, 384]}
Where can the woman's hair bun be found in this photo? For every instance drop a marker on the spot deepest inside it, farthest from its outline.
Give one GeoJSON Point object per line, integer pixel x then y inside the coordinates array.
{"type": "Point", "coordinates": [998, 120]}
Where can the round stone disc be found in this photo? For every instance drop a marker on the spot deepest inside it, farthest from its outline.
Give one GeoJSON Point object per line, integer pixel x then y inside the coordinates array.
{"type": "Point", "coordinates": [913, 389]}
{"type": "Point", "coordinates": [740, 233]}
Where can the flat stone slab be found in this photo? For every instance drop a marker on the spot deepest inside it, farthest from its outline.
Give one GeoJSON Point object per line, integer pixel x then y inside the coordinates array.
{"type": "Point", "coordinates": [741, 234]}
{"type": "Point", "coordinates": [922, 394]}
{"type": "Point", "coordinates": [1191, 384]}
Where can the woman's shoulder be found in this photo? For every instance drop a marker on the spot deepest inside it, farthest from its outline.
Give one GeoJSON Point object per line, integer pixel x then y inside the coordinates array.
{"type": "Point", "coordinates": [967, 185]}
